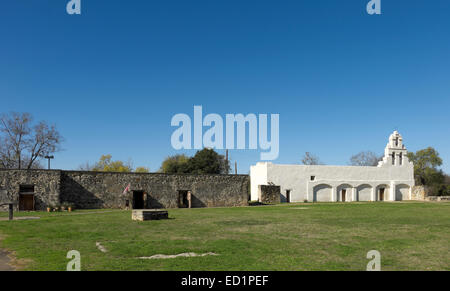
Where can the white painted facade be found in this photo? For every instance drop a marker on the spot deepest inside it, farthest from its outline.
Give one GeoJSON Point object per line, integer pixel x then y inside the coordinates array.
{"type": "Point", "coordinates": [391, 180]}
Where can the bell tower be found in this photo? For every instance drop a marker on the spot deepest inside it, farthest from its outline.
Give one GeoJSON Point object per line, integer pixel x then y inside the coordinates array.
{"type": "Point", "coordinates": [395, 153]}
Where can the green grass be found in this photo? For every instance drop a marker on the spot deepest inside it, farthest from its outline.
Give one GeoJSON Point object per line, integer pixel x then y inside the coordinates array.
{"type": "Point", "coordinates": [334, 236]}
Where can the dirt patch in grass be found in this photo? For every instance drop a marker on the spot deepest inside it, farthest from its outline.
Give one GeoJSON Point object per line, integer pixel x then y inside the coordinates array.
{"type": "Point", "coordinates": [188, 255]}
{"type": "Point", "coordinates": [240, 223]}
{"type": "Point", "coordinates": [9, 261]}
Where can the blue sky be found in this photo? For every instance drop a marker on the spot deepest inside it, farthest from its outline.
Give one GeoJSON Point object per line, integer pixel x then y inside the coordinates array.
{"type": "Point", "coordinates": [112, 78]}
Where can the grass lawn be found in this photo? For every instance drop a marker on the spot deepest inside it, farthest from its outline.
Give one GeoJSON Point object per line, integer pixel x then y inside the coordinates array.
{"type": "Point", "coordinates": [322, 236]}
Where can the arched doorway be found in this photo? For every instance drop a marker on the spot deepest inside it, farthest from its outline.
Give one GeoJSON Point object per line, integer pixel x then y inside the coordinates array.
{"type": "Point", "coordinates": [402, 192]}
{"type": "Point", "coordinates": [364, 193]}
{"type": "Point", "coordinates": [322, 193]}
{"type": "Point", "coordinates": [344, 193]}
{"type": "Point", "coordinates": [382, 193]}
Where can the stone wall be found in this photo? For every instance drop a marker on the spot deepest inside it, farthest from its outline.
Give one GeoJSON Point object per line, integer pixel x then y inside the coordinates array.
{"type": "Point", "coordinates": [105, 190]}
{"type": "Point", "coordinates": [89, 190]}
{"type": "Point", "coordinates": [438, 198]}
{"type": "Point", "coordinates": [269, 194]}
{"type": "Point", "coordinates": [421, 193]}
{"type": "Point", "coordinates": [418, 193]}
{"type": "Point", "coordinates": [46, 186]}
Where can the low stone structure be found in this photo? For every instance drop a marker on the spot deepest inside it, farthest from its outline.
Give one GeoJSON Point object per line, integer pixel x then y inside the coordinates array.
{"type": "Point", "coordinates": [421, 193]}
{"type": "Point", "coordinates": [438, 198]}
{"type": "Point", "coordinates": [269, 194]}
{"type": "Point", "coordinates": [37, 189]}
{"type": "Point", "coordinates": [152, 214]}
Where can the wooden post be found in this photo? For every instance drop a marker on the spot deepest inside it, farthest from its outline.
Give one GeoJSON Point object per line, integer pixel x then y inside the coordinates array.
{"type": "Point", "coordinates": [11, 211]}
{"type": "Point", "coordinates": [235, 168]}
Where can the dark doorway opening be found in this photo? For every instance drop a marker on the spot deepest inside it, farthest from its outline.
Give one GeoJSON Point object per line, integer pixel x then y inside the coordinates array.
{"type": "Point", "coordinates": [381, 194]}
{"type": "Point", "coordinates": [183, 201]}
{"type": "Point", "coordinates": [344, 193]}
{"type": "Point", "coordinates": [138, 199]}
{"type": "Point", "coordinates": [26, 189]}
{"type": "Point", "coordinates": [288, 196]}
{"type": "Point", "coordinates": [26, 197]}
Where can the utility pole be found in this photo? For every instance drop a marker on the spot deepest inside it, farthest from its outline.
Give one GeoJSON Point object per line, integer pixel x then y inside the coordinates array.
{"type": "Point", "coordinates": [235, 167]}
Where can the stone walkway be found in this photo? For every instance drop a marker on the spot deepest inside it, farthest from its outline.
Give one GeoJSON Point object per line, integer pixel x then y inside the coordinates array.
{"type": "Point", "coordinates": [19, 218]}
{"type": "Point", "coordinates": [5, 261]}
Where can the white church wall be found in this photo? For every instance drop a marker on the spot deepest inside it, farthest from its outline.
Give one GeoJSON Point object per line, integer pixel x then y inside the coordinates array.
{"type": "Point", "coordinates": [258, 176]}
{"type": "Point", "coordinates": [395, 174]}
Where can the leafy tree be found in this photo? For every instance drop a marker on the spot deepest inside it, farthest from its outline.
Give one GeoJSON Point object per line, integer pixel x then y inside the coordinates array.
{"type": "Point", "coordinates": [447, 179]}
{"type": "Point", "coordinates": [22, 144]}
{"type": "Point", "coordinates": [206, 161]}
{"type": "Point", "coordinates": [366, 158]}
{"type": "Point", "coordinates": [105, 164]}
{"type": "Point", "coordinates": [177, 164]}
{"type": "Point", "coordinates": [310, 159]}
{"type": "Point", "coordinates": [426, 163]}
{"type": "Point", "coordinates": [142, 170]}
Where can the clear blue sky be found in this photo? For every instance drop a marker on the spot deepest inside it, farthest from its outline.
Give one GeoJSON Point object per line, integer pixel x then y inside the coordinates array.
{"type": "Point", "coordinates": [341, 80]}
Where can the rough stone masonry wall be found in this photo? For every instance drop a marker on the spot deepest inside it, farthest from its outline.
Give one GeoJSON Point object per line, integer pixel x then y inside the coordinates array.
{"type": "Point", "coordinates": [87, 190]}
{"type": "Point", "coordinates": [421, 193]}
{"type": "Point", "coordinates": [418, 193]}
{"type": "Point", "coordinates": [105, 190]}
{"type": "Point", "coordinates": [269, 194]}
{"type": "Point", "coordinates": [46, 186]}
{"type": "Point", "coordinates": [438, 198]}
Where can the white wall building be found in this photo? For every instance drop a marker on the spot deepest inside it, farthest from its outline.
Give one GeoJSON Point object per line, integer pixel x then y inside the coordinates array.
{"type": "Point", "coordinates": [391, 180]}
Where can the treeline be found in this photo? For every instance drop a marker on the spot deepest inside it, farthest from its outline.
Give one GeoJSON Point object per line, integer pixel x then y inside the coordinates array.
{"type": "Point", "coordinates": [106, 164]}
{"type": "Point", "coordinates": [427, 172]}
{"type": "Point", "coordinates": [206, 161]}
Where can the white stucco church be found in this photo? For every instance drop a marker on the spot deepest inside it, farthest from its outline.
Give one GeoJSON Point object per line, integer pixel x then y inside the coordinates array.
{"type": "Point", "coordinates": [391, 180]}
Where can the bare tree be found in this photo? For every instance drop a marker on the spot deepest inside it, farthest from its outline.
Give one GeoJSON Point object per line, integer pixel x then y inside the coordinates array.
{"type": "Point", "coordinates": [16, 128]}
{"type": "Point", "coordinates": [366, 158]}
{"type": "Point", "coordinates": [85, 167]}
{"type": "Point", "coordinates": [23, 145]}
{"type": "Point", "coordinates": [310, 159]}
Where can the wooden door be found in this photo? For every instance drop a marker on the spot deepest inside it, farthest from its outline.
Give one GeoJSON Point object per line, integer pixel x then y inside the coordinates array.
{"type": "Point", "coordinates": [26, 202]}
